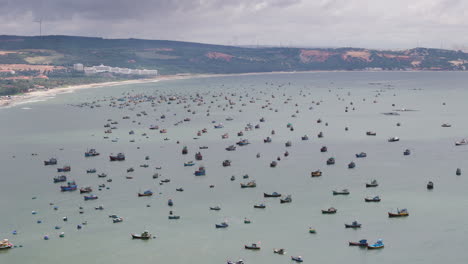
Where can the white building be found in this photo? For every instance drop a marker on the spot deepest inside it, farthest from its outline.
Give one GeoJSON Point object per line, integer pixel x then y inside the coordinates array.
{"type": "Point", "coordinates": [102, 68]}
{"type": "Point", "coordinates": [78, 67]}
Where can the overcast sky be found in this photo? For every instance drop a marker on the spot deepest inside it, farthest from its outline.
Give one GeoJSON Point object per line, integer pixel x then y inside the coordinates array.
{"type": "Point", "coordinates": [358, 23]}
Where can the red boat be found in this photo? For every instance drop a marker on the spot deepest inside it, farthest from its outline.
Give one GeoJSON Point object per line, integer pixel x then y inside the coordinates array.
{"type": "Point", "coordinates": [118, 157]}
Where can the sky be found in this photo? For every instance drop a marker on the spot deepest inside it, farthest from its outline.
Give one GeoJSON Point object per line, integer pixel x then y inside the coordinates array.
{"type": "Point", "coordinates": [381, 24]}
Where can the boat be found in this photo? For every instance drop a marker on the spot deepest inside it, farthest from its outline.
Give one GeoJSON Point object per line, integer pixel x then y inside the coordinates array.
{"type": "Point", "coordinates": [91, 153]}
{"type": "Point", "coordinates": [184, 150]}
{"type": "Point", "coordinates": [90, 197]}
{"type": "Point", "coordinates": [198, 156]}
{"type": "Point", "coordinates": [354, 224]}
{"type": "Point", "coordinates": [305, 137]}
{"type": "Point", "coordinates": [377, 245]}
{"type": "Point", "coordinates": [320, 135]}
{"type": "Point", "coordinates": [407, 152]}
{"type": "Point", "coordinates": [71, 186]}
{"type": "Point", "coordinates": [86, 190]}
{"type": "Point", "coordinates": [225, 135]}
{"type": "Point", "coordinates": [446, 125]}
{"type": "Point", "coordinates": [260, 206]}
{"type": "Point", "coordinates": [253, 246]}
{"type": "Point", "coordinates": [288, 144]}
{"type": "Point", "coordinates": [361, 155]}
{"type": "Point", "coordinates": [203, 147]}
{"type": "Point", "coordinates": [5, 244]}
{"type": "Point", "coordinates": [144, 166]}
{"type": "Point", "coordinates": [316, 173]}
{"type": "Point", "coordinates": [220, 125]}
{"type": "Point", "coordinates": [361, 243]}
{"type": "Point", "coordinates": [399, 213]}
{"type": "Point", "coordinates": [342, 192]}
{"type": "Point", "coordinates": [64, 169]}
{"type": "Point", "coordinates": [258, 155]}
{"type": "Point", "coordinates": [370, 133]}
{"type": "Point", "coordinates": [51, 161]}
{"type": "Point", "coordinates": [91, 171]}
{"type": "Point", "coordinates": [273, 164]}
{"type": "Point", "coordinates": [118, 157]}
{"type": "Point", "coordinates": [461, 142]}
{"type": "Point", "coordinates": [240, 261]}
{"type": "Point", "coordinates": [240, 134]}
{"type": "Point", "coordinates": [247, 221]}
{"type": "Point", "coordinates": [231, 148]}
{"type": "Point", "coordinates": [145, 193]}
{"type": "Point", "coordinates": [180, 189]}
{"type": "Point", "coordinates": [99, 207]}
{"type": "Point", "coordinates": [373, 183]}
{"type": "Point", "coordinates": [330, 210]}
{"type": "Point", "coordinates": [61, 178]}
{"type": "Point", "coordinates": [170, 202]}
{"type": "Point", "coordinates": [216, 208]}
{"type": "Point", "coordinates": [287, 199]}
{"type": "Point", "coordinates": [280, 251]}
{"type": "Point", "coordinates": [297, 259]}
{"type": "Point", "coordinates": [102, 175]}
{"type": "Point", "coordinates": [117, 220]}
{"type": "Point", "coordinates": [323, 149]}
{"type": "Point", "coordinates": [222, 225]}
{"type": "Point", "coordinates": [173, 217]}
{"type": "Point", "coordinates": [330, 161]}
{"type": "Point", "coordinates": [375, 199]}
{"type": "Point", "coordinates": [243, 142]}
{"type": "Point", "coordinates": [267, 140]}
{"type": "Point", "coordinates": [351, 165]}
{"type": "Point", "coordinates": [226, 163]}
{"type": "Point", "coordinates": [273, 194]}
{"type": "Point", "coordinates": [200, 171]}
{"type": "Point", "coordinates": [458, 172]}
{"type": "Point", "coordinates": [190, 163]}
{"type": "Point", "coordinates": [430, 185]}
{"type": "Point", "coordinates": [393, 139]}
{"type": "Point", "coordinates": [250, 184]}
{"type": "Point", "coordinates": [144, 235]}
{"type": "Point", "coordinates": [312, 230]}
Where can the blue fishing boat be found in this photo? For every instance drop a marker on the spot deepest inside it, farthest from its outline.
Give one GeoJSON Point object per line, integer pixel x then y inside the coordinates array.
{"type": "Point", "coordinates": [354, 224]}
{"type": "Point", "coordinates": [61, 178]}
{"type": "Point", "coordinates": [200, 171]}
{"type": "Point", "coordinates": [379, 244]}
{"type": "Point", "coordinates": [297, 259]}
{"type": "Point", "coordinates": [243, 142]}
{"type": "Point", "coordinates": [64, 169]}
{"type": "Point", "coordinates": [91, 153]}
{"type": "Point", "coordinates": [71, 186]}
{"type": "Point", "coordinates": [90, 197]}
{"type": "Point", "coordinates": [372, 199]}
{"type": "Point", "coordinates": [91, 171]}
{"type": "Point", "coordinates": [145, 193]}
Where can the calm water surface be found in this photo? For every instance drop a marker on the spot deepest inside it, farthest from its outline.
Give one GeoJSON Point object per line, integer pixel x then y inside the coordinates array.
{"type": "Point", "coordinates": [433, 233]}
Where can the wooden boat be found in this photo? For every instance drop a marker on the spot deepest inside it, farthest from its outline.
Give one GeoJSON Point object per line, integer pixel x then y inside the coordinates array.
{"type": "Point", "coordinates": [377, 245]}
{"type": "Point", "coordinates": [361, 243]}
{"type": "Point", "coordinates": [118, 157]}
{"type": "Point", "coordinates": [273, 194]}
{"type": "Point", "coordinates": [280, 251]}
{"type": "Point", "coordinates": [375, 199]}
{"type": "Point", "coordinates": [216, 208]}
{"type": "Point", "coordinates": [446, 125]}
{"type": "Point", "coordinates": [287, 199]}
{"type": "Point", "coordinates": [373, 183]}
{"type": "Point", "coordinates": [180, 189]}
{"type": "Point", "coordinates": [399, 213]}
{"type": "Point", "coordinates": [354, 224]}
{"type": "Point", "coordinates": [342, 192]}
{"type": "Point", "coordinates": [102, 175]}
{"type": "Point", "coordinates": [173, 217]}
{"type": "Point", "coordinates": [144, 235]}
{"type": "Point", "coordinates": [253, 246]}
{"type": "Point", "coordinates": [331, 161]}
{"type": "Point", "coordinates": [145, 193]}
{"type": "Point", "coordinates": [247, 221]}
{"type": "Point", "coordinates": [297, 259]}
{"type": "Point", "coordinates": [316, 173]}
{"type": "Point", "coordinates": [361, 155]}
{"type": "Point", "coordinates": [330, 210]}
{"type": "Point", "coordinates": [250, 184]}
{"type": "Point", "coordinates": [430, 185]}
{"type": "Point", "coordinates": [51, 161]}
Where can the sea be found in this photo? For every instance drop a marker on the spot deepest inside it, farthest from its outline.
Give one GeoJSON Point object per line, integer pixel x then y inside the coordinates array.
{"type": "Point", "coordinates": [66, 126]}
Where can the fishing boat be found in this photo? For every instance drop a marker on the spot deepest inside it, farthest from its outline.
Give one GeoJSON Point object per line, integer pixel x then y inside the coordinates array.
{"type": "Point", "coordinates": [342, 192]}
{"type": "Point", "coordinates": [145, 193]}
{"type": "Point", "coordinates": [370, 133]}
{"type": "Point", "coordinates": [226, 163]}
{"type": "Point", "coordinates": [354, 224]}
{"type": "Point", "coordinates": [331, 161]}
{"type": "Point", "coordinates": [51, 161]}
{"type": "Point", "coordinates": [91, 171]}
{"type": "Point", "coordinates": [61, 178]}
{"type": "Point", "coordinates": [250, 184]}
{"type": "Point", "coordinates": [131, 169]}
{"type": "Point", "coordinates": [117, 220]}
{"type": "Point", "coordinates": [375, 199]}
{"type": "Point", "coordinates": [323, 149]}
{"type": "Point", "coordinates": [260, 206]}
{"type": "Point", "coordinates": [393, 139]}
{"type": "Point", "coordinates": [216, 208]}
{"type": "Point", "coordinates": [288, 144]}
{"type": "Point", "coordinates": [240, 261]}
{"type": "Point", "coordinates": [222, 225]}
{"type": "Point", "coordinates": [399, 213]}
{"type": "Point", "coordinates": [144, 235]}
{"type": "Point", "coordinates": [71, 186]}
{"type": "Point", "coordinates": [273, 194]}
{"type": "Point", "coordinates": [305, 137]}
{"type": "Point", "coordinates": [91, 153]}
{"type": "Point", "coordinates": [461, 142]}
{"type": "Point", "coordinates": [118, 157]}
{"type": "Point", "coordinates": [330, 210]}
{"type": "Point", "coordinates": [458, 172]}
{"type": "Point", "coordinates": [64, 169]}
{"type": "Point", "coordinates": [220, 125]}
{"type": "Point", "coordinates": [320, 134]}
{"type": "Point", "coordinates": [5, 244]}
{"type": "Point", "coordinates": [180, 189]}
{"type": "Point", "coordinates": [163, 131]}
{"type": "Point", "coordinates": [243, 142]}
{"type": "Point", "coordinates": [297, 259]}
{"type": "Point", "coordinates": [225, 135]}
{"type": "Point", "coordinates": [198, 156]}
{"type": "Point", "coordinates": [267, 140]}
{"type": "Point", "coordinates": [280, 251]}
{"type": "Point", "coordinates": [407, 152]}
{"type": "Point", "coordinates": [231, 148]}
{"type": "Point", "coordinates": [316, 173]}
{"type": "Point", "coordinates": [446, 125]}
{"type": "Point", "coordinates": [173, 217]}
{"type": "Point", "coordinates": [377, 245]}
{"type": "Point", "coordinates": [351, 165]}
{"type": "Point", "coordinates": [373, 183]}
{"type": "Point", "coordinates": [240, 134]}
{"type": "Point", "coordinates": [203, 147]}
{"type": "Point", "coordinates": [430, 185]}
{"type": "Point", "coordinates": [253, 246]}
{"type": "Point", "coordinates": [86, 189]}
{"type": "Point", "coordinates": [200, 171]}
{"type": "Point", "coordinates": [312, 230]}
{"type": "Point", "coordinates": [361, 155]}
{"type": "Point", "coordinates": [258, 155]}
{"type": "Point", "coordinates": [90, 197]}
{"type": "Point", "coordinates": [184, 150]}
{"type": "Point", "coordinates": [273, 164]}
{"type": "Point", "coordinates": [190, 163]}
{"type": "Point", "coordinates": [247, 221]}
{"type": "Point", "coordinates": [287, 199]}
{"type": "Point", "coordinates": [360, 243]}
{"type": "Point", "coordinates": [102, 175]}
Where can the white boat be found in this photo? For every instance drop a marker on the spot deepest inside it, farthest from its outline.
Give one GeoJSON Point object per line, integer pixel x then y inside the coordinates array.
{"type": "Point", "coordinates": [461, 142]}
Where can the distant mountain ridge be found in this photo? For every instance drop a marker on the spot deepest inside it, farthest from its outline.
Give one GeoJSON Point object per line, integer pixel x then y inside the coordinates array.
{"type": "Point", "coordinates": [171, 57]}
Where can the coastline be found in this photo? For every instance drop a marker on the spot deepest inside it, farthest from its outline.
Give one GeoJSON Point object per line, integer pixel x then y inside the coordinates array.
{"type": "Point", "coordinates": [42, 95]}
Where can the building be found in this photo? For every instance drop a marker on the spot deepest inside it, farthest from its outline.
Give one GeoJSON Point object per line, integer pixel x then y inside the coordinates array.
{"type": "Point", "coordinates": [117, 70]}
{"type": "Point", "coordinates": [78, 67]}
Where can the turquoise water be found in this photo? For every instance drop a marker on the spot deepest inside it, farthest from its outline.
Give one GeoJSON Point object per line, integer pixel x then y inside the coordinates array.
{"type": "Point", "coordinates": [433, 232]}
